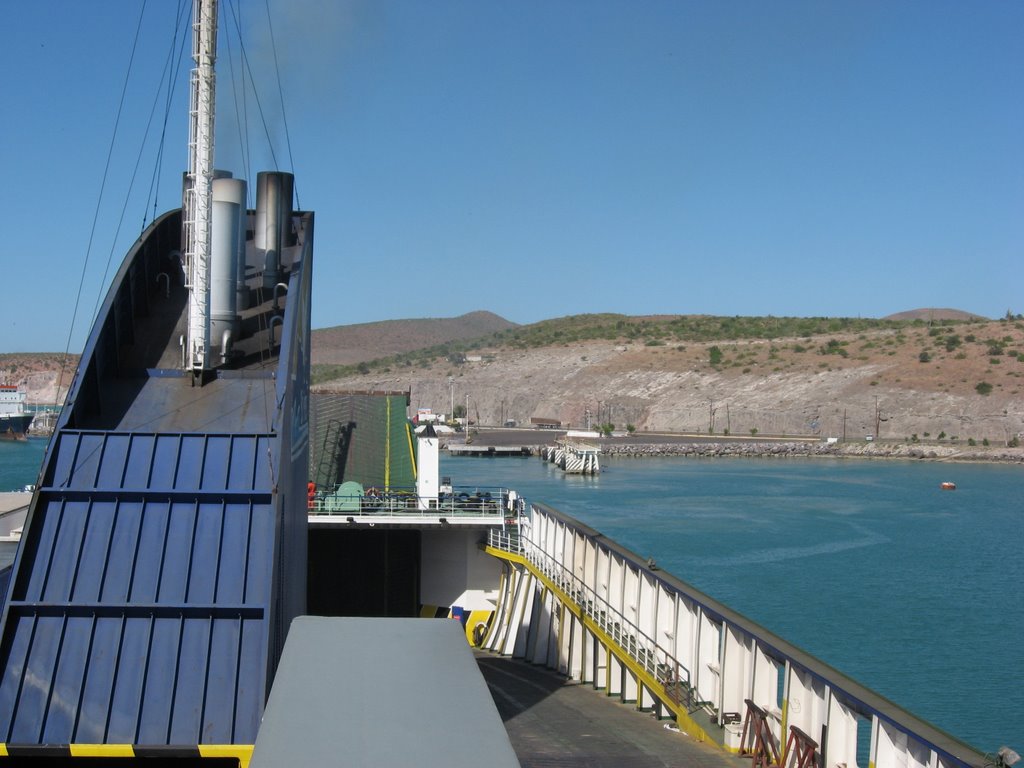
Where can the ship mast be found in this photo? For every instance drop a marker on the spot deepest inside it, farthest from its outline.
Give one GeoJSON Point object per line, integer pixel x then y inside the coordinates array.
{"type": "Point", "coordinates": [198, 186]}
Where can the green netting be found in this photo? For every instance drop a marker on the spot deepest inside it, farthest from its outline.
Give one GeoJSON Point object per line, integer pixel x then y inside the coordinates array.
{"type": "Point", "coordinates": [366, 438]}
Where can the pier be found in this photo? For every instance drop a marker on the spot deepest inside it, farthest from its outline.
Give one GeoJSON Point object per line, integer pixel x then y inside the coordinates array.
{"type": "Point", "coordinates": [574, 457]}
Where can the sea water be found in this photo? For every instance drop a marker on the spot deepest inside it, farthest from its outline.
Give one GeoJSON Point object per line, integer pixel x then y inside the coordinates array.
{"type": "Point", "coordinates": [20, 461]}
{"type": "Point", "coordinates": [916, 592]}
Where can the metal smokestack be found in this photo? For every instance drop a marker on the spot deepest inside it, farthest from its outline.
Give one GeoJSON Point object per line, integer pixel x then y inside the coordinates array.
{"type": "Point", "coordinates": [273, 221]}
{"type": "Point", "coordinates": [228, 203]}
{"type": "Point", "coordinates": [241, 287]}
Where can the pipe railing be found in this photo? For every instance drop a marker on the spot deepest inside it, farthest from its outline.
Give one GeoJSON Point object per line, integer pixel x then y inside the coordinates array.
{"type": "Point", "coordinates": [905, 735]}
{"type": "Point", "coordinates": [404, 502]}
{"type": "Point", "coordinates": [644, 650]}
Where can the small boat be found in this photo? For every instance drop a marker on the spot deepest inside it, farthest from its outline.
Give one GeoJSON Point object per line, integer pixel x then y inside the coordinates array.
{"type": "Point", "coordinates": [947, 486]}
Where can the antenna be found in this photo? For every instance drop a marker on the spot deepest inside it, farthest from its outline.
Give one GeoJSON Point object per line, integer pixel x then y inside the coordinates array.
{"type": "Point", "coordinates": [198, 186]}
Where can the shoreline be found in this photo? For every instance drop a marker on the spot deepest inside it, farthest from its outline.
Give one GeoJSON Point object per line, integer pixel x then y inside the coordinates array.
{"type": "Point", "coordinates": [765, 449]}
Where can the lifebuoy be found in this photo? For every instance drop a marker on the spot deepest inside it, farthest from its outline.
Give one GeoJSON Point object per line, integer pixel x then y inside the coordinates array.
{"type": "Point", "coordinates": [478, 633]}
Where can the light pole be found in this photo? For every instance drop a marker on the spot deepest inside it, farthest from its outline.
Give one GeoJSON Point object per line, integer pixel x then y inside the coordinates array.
{"type": "Point", "coordinates": [451, 388]}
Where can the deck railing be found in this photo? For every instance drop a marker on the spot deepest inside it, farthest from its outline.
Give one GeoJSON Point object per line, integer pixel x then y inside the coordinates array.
{"type": "Point", "coordinates": [640, 647]}
{"type": "Point", "coordinates": [404, 502]}
{"type": "Point", "coordinates": [796, 692]}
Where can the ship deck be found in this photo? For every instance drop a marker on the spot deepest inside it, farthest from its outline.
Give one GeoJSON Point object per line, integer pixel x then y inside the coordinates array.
{"type": "Point", "coordinates": [149, 390]}
{"type": "Point", "coordinates": [143, 611]}
{"type": "Point", "coordinates": [554, 721]}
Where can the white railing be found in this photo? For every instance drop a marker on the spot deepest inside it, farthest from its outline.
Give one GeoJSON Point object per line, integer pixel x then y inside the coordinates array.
{"type": "Point", "coordinates": [402, 502]}
{"type": "Point", "coordinates": [743, 657]}
{"type": "Point", "coordinates": [642, 649]}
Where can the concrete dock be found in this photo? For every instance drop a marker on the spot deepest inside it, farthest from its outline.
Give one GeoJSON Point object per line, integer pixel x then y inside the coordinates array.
{"type": "Point", "coordinates": [461, 449]}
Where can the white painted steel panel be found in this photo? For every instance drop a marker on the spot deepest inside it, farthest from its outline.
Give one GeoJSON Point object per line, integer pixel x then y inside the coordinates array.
{"type": "Point", "coordinates": [706, 669]}
{"type": "Point", "coordinates": [841, 746]}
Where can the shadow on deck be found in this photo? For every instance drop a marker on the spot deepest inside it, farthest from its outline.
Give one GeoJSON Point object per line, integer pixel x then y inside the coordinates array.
{"type": "Point", "coordinates": [554, 721]}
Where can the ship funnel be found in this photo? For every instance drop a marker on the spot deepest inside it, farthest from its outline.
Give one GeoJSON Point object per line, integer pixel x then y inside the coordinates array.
{"type": "Point", "coordinates": [228, 204]}
{"type": "Point", "coordinates": [241, 286]}
{"type": "Point", "coordinates": [273, 221]}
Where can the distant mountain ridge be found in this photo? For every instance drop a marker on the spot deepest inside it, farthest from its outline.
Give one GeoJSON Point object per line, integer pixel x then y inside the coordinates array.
{"type": "Point", "coordinates": [353, 344]}
{"type": "Point", "coordinates": [931, 313]}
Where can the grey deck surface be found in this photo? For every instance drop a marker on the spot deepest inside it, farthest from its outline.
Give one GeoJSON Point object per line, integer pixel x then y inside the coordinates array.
{"type": "Point", "coordinates": [379, 692]}
{"type": "Point", "coordinates": [557, 722]}
{"type": "Point", "coordinates": [172, 405]}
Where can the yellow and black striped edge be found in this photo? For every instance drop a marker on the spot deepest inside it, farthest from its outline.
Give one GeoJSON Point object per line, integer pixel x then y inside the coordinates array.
{"type": "Point", "coordinates": [240, 752]}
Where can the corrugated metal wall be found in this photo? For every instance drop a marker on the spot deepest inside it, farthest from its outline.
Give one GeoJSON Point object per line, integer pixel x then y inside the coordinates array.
{"type": "Point", "coordinates": [145, 605]}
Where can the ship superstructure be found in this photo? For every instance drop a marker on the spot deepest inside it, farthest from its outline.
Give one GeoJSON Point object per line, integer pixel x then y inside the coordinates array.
{"type": "Point", "coordinates": [163, 556]}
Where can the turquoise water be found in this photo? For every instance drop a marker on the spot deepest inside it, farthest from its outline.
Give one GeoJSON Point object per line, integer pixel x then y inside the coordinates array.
{"type": "Point", "coordinates": [20, 461]}
{"type": "Point", "coordinates": [913, 591]}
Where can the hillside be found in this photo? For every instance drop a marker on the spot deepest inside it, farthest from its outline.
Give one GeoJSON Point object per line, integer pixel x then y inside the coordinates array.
{"type": "Point", "coordinates": [37, 373]}
{"type": "Point", "coordinates": [805, 376]}
{"type": "Point", "coordinates": [931, 314]}
{"type": "Point", "coordinates": [352, 344]}
{"type": "Point", "coordinates": [939, 380]}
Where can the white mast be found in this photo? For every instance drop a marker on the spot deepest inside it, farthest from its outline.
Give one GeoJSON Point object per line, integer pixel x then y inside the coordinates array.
{"type": "Point", "coordinates": [199, 180]}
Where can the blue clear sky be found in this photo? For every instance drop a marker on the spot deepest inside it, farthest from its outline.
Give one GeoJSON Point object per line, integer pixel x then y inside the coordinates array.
{"type": "Point", "coordinates": [547, 158]}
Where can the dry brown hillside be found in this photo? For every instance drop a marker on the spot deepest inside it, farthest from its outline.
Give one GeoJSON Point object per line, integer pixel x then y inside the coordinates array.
{"type": "Point", "coordinates": [959, 380]}
{"type": "Point", "coordinates": [942, 379]}
{"type": "Point", "coordinates": [351, 344]}
{"type": "Point", "coordinates": [931, 314]}
{"type": "Point", "coordinates": [37, 373]}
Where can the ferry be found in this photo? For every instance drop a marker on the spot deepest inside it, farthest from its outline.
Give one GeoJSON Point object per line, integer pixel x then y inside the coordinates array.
{"type": "Point", "coordinates": [182, 594]}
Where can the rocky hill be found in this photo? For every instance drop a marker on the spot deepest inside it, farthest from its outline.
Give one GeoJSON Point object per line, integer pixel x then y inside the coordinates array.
{"type": "Point", "coordinates": [37, 373]}
{"type": "Point", "coordinates": [951, 380]}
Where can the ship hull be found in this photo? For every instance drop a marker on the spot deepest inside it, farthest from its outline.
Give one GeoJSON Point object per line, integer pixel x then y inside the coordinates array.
{"type": "Point", "coordinates": [15, 427]}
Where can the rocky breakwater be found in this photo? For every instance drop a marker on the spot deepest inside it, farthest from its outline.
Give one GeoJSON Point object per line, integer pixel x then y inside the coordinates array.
{"type": "Point", "coordinates": [793, 449]}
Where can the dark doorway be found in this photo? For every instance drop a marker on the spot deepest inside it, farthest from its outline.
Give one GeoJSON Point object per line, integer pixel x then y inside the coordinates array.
{"type": "Point", "coordinates": [365, 572]}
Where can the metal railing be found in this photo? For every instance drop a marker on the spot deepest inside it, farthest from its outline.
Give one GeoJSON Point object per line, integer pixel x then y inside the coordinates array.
{"type": "Point", "coordinates": [641, 648]}
{"type": "Point", "coordinates": [403, 502]}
